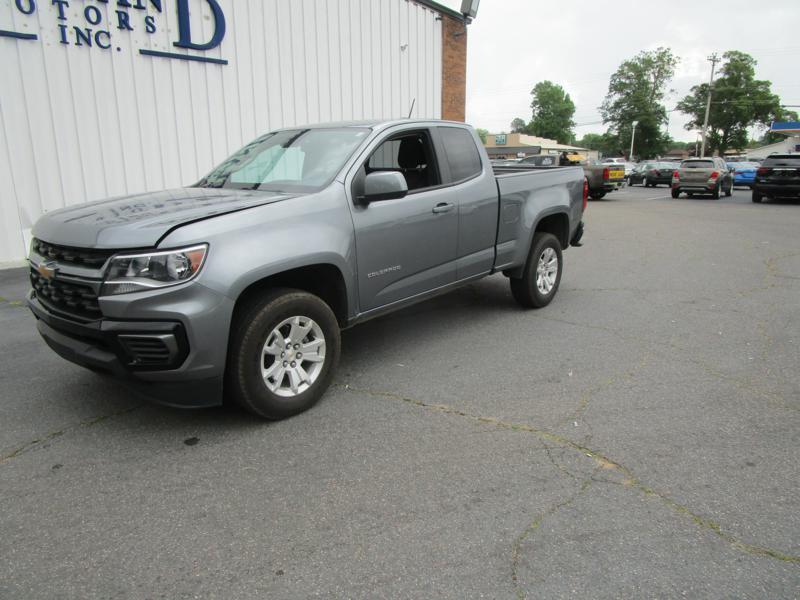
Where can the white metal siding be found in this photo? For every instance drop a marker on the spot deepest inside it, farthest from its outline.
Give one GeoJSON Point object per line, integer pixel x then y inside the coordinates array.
{"type": "Point", "coordinates": [80, 124]}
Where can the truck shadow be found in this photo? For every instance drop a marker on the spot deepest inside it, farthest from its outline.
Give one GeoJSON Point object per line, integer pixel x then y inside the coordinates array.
{"type": "Point", "coordinates": [485, 300]}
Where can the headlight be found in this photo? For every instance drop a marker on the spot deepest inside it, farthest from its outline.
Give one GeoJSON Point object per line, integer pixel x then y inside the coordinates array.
{"type": "Point", "coordinates": [137, 272]}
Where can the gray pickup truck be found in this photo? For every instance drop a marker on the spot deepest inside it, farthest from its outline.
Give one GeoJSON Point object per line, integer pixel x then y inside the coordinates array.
{"type": "Point", "coordinates": [238, 286]}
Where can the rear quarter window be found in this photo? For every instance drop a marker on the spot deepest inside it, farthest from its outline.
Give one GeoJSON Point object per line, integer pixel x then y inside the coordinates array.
{"type": "Point", "coordinates": [462, 153]}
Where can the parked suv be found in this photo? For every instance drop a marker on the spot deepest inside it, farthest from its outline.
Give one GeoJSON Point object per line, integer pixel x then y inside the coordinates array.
{"type": "Point", "coordinates": [778, 177]}
{"type": "Point", "coordinates": [702, 176]}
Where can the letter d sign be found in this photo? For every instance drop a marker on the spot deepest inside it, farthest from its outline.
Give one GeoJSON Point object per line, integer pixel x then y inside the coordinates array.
{"type": "Point", "coordinates": [185, 31]}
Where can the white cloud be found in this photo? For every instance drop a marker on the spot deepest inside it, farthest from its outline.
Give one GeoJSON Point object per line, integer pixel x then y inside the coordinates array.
{"type": "Point", "coordinates": [515, 43]}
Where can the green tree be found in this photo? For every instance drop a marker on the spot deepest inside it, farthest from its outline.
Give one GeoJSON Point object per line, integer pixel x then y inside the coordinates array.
{"type": "Point", "coordinates": [553, 110]}
{"type": "Point", "coordinates": [519, 126]}
{"type": "Point", "coordinates": [606, 143]}
{"type": "Point", "coordinates": [636, 93]}
{"type": "Point", "coordinates": [482, 133]}
{"type": "Point", "coordinates": [738, 102]}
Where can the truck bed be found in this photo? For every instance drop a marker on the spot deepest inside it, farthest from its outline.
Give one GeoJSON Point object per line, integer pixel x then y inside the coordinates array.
{"type": "Point", "coordinates": [526, 194]}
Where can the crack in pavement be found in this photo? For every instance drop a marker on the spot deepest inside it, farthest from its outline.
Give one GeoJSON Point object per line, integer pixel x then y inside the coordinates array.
{"type": "Point", "coordinates": [14, 303]}
{"type": "Point", "coordinates": [632, 481]}
{"type": "Point", "coordinates": [534, 525]}
{"type": "Point", "coordinates": [22, 449]}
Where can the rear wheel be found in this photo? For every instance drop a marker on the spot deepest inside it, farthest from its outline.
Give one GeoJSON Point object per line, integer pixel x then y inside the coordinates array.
{"type": "Point", "coordinates": [597, 195]}
{"type": "Point", "coordinates": [283, 353]}
{"type": "Point", "coordinates": [715, 193]}
{"type": "Point", "coordinates": [676, 193]}
{"type": "Point", "coordinates": [757, 197]}
{"type": "Point", "coordinates": [729, 191]}
{"type": "Point", "coordinates": [542, 275]}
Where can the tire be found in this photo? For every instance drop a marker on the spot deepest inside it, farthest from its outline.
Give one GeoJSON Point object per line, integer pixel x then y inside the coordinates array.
{"type": "Point", "coordinates": [597, 195]}
{"type": "Point", "coordinates": [729, 191]}
{"type": "Point", "coordinates": [677, 193]}
{"type": "Point", "coordinates": [757, 197]}
{"type": "Point", "coordinates": [526, 289]}
{"type": "Point", "coordinates": [282, 316]}
{"type": "Point", "coordinates": [715, 193]}
{"type": "Point", "coordinates": [645, 183]}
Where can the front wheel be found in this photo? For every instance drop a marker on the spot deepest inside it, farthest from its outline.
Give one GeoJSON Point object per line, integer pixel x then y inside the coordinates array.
{"type": "Point", "coordinates": [542, 275]}
{"type": "Point", "coordinates": [283, 353]}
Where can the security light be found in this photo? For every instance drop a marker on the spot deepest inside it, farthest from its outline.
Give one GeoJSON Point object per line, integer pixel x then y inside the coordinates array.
{"type": "Point", "coordinates": [469, 8]}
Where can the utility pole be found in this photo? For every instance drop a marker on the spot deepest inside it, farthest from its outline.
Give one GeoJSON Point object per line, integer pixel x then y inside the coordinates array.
{"type": "Point", "coordinates": [714, 60]}
{"type": "Point", "coordinates": [633, 136]}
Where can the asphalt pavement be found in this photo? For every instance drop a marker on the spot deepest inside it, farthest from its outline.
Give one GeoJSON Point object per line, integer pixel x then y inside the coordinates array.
{"type": "Point", "coordinates": [636, 438]}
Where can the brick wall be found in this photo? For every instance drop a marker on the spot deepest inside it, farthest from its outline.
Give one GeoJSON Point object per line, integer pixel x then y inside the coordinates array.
{"type": "Point", "coordinates": [454, 69]}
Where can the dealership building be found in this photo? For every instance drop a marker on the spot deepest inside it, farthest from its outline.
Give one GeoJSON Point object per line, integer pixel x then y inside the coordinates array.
{"type": "Point", "coordinates": [102, 98]}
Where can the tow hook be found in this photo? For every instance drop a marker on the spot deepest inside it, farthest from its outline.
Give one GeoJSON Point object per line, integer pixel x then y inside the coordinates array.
{"type": "Point", "coordinates": [576, 238]}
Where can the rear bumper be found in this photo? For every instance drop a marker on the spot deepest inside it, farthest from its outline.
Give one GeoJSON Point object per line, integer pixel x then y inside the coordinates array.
{"type": "Point", "coordinates": [695, 188]}
{"type": "Point", "coordinates": [781, 191]}
{"type": "Point", "coordinates": [186, 375]}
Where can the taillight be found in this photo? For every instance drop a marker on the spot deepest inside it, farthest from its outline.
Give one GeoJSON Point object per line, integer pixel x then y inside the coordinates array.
{"type": "Point", "coordinates": [676, 175]}
{"type": "Point", "coordinates": [763, 170]}
{"type": "Point", "coordinates": [585, 193]}
{"type": "Point", "coordinates": [605, 173]}
{"type": "Point", "coordinates": [714, 175]}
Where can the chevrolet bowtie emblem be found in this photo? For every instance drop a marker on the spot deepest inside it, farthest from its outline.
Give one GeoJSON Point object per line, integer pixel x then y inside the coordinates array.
{"type": "Point", "coordinates": [46, 270]}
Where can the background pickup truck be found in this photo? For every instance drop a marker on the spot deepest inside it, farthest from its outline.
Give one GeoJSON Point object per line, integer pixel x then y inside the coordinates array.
{"type": "Point", "coordinates": [238, 285]}
{"type": "Point", "coordinates": [604, 178]}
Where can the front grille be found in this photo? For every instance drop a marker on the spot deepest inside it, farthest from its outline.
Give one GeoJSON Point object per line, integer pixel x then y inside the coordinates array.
{"type": "Point", "coordinates": [88, 257]}
{"type": "Point", "coordinates": [67, 297]}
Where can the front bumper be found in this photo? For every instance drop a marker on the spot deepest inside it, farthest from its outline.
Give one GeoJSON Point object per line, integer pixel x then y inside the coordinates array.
{"type": "Point", "coordinates": [185, 328]}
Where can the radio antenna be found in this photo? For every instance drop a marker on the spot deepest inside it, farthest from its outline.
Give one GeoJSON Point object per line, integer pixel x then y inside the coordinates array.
{"type": "Point", "coordinates": [410, 110]}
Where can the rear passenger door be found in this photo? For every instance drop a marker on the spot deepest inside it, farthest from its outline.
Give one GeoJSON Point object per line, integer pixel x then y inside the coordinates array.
{"type": "Point", "coordinates": [472, 188]}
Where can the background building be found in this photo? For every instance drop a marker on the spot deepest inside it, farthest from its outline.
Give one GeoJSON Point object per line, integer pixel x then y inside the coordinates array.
{"type": "Point", "coordinates": [791, 145]}
{"type": "Point", "coordinates": [519, 145]}
{"type": "Point", "coordinates": [101, 98]}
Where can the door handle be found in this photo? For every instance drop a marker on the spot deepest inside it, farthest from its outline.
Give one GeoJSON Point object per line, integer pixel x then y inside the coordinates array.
{"type": "Point", "coordinates": [443, 207]}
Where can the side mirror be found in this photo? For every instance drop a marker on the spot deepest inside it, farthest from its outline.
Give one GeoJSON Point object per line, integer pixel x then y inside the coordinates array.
{"type": "Point", "coordinates": [384, 185]}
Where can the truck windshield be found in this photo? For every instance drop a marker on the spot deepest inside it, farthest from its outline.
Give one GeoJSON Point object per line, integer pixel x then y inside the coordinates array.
{"type": "Point", "coordinates": [297, 160]}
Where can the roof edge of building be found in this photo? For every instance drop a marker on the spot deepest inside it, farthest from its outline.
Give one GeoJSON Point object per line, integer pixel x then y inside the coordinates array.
{"type": "Point", "coordinates": [440, 8]}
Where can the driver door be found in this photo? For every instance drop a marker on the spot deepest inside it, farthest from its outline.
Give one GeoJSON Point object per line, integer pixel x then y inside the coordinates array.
{"type": "Point", "coordinates": [405, 246]}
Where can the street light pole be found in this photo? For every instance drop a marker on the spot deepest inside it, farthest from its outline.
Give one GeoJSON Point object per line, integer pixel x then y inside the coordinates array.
{"type": "Point", "coordinates": [633, 136]}
{"type": "Point", "coordinates": [714, 60]}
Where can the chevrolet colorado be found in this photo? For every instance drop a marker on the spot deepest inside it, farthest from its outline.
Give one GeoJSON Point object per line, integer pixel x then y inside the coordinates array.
{"type": "Point", "coordinates": [238, 285]}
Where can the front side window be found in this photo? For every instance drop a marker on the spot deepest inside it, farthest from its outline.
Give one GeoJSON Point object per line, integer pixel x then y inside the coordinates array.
{"type": "Point", "coordinates": [298, 160]}
{"type": "Point", "coordinates": [410, 154]}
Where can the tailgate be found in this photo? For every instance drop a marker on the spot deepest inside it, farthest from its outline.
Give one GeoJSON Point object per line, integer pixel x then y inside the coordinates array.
{"type": "Point", "coordinates": [695, 175]}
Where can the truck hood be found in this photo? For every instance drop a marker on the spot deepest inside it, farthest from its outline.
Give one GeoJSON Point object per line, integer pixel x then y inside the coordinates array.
{"type": "Point", "coordinates": [141, 220]}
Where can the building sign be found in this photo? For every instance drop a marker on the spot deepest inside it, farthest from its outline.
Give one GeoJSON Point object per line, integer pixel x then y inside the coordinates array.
{"type": "Point", "coordinates": [500, 139]}
{"type": "Point", "coordinates": [105, 25]}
